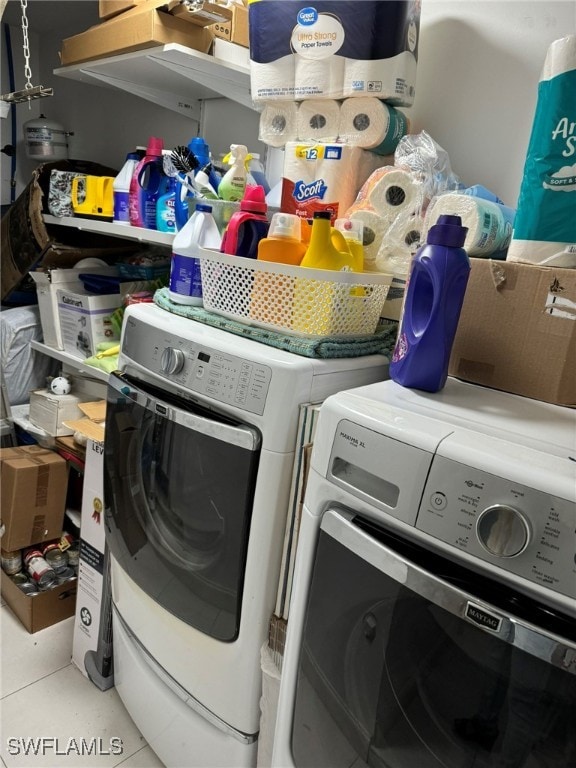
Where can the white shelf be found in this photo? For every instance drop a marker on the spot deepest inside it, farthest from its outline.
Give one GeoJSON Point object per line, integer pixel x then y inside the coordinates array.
{"type": "Point", "coordinates": [108, 228]}
{"type": "Point", "coordinates": [76, 363]}
{"type": "Point", "coordinates": [171, 76]}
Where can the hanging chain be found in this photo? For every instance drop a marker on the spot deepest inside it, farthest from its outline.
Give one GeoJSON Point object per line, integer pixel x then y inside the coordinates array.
{"type": "Point", "coordinates": [26, 45]}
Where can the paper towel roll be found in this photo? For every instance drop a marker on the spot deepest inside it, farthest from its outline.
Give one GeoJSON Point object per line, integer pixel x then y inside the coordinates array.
{"type": "Point", "coordinates": [315, 78]}
{"type": "Point", "coordinates": [375, 227]}
{"type": "Point", "coordinates": [489, 224]}
{"type": "Point", "coordinates": [399, 244]}
{"type": "Point", "coordinates": [372, 124]}
{"type": "Point", "coordinates": [394, 191]}
{"type": "Point", "coordinates": [272, 80]}
{"type": "Point", "coordinates": [320, 176]}
{"type": "Point", "coordinates": [318, 120]}
{"type": "Point", "coordinates": [545, 224]}
{"type": "Point", "coordinates": [278, 123]}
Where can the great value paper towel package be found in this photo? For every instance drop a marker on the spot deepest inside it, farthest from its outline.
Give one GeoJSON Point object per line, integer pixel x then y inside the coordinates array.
{"type": "Point", "coordinates": [334, 49]}
{"type": "Point", "coordinates": [320, 177]}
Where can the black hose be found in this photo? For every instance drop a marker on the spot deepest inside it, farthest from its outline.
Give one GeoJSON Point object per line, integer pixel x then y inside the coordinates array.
{"type": "Point", "coordinates": [12, 87]}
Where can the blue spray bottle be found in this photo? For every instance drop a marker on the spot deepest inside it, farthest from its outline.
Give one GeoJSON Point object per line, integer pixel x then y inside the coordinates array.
{"type": "Point", "coordinates": [432, 305]}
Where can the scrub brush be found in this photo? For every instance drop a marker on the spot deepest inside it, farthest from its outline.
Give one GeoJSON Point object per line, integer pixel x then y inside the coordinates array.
{"type": "Point", "coordinates": [185, 162]}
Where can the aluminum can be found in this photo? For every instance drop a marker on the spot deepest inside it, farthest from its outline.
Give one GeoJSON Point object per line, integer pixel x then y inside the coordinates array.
{"type": "Point", "coordinates": [11, 561]}
{"type": "Point", "coordinates": [42, 574]}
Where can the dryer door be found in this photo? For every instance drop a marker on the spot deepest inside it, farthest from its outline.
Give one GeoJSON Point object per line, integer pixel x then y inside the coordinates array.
{"type": "Point", "coordinates": [179, 488]}
{"type": "Point", "coordinates": [410, 661]}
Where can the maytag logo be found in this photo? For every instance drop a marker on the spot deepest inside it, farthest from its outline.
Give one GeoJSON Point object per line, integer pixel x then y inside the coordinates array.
{"type": "Point", "coordinates": [483, 618]}
{"type": "Point", "coordinates": [73, 302]}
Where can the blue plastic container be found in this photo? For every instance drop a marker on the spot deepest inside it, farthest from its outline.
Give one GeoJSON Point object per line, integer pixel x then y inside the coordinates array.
{"type": "Point", "coordinates": [432, 305]}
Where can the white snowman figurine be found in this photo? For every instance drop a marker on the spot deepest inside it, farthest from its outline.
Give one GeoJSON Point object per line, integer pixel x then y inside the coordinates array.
{"type": "Point", "coordinates": [60, 385]}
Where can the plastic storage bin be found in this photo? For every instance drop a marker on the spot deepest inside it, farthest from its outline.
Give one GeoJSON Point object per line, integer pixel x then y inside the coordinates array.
{"type": "Point", "coordinates": [294, 300]}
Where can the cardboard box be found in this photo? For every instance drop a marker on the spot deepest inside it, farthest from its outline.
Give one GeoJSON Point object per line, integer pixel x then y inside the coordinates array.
{"type": "Point", "coordinates": [85, 320]}
{"type": "Point", "coordinates": [109, 8]}
{"type": "Point", "coordinates": [34, 483]}
{"type": "Point", "coordinates": [235, 30]}
{"type": "Point", "coordinates": [142, 27]}
{"type": "Point", "coordinates": [48, 411]}
{"type": "Point", "coordinates": [92, 560]}
{"type": "Point", "coordinates": [43, 610]}
{"type": "Point", "coordinates": [48, 281]}
{"type": "Point", "coordinates": [517, 330]}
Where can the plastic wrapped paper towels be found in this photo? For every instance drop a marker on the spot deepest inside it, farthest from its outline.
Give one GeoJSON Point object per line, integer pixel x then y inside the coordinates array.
{"type": "Point", "coordinates": [329, 49]}
{"type": "Point", "coordinates": [318, 120]}
{"type": "Point", "coordinates": [278, 123]}
{"type": "Point", "coordinates": [545, 225]}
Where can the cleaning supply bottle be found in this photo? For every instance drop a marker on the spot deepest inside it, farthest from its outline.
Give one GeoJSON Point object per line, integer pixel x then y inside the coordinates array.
{"type": "Point", "coordinates": [121, 189]}
{"type": "Point", "coordinates": [321, 252]}
{"type": "Point", "coordinates": [200, 231]}
{"type": "Point", "coordinates": [203, 187]}
{"type": "Point", "coordinates": [432, 305]}
{"type": "Point", "coordinates": [256, 170]}
{"type": "Point", "coordinates": [201, 150]}
{"type": "Point", "coordinates": [165, 207]}
{"type": "Point", "coordinates": [146, 186]}
{"type": "Point", "coordinates": [352, 231]}
{"type": "Point", "coordinates": [284, 243]}
{"type": "Point", "coordinates": [233, 183]}
{"type": "Point", "coordinates": [248, 226]}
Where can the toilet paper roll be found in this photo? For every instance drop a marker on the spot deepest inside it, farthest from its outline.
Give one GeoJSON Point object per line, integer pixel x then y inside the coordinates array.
{"type": "Point", "coordinates": [545, 225]}
{"type": "Point", "coordinates": [315, 78]}
{"type": "Point", "coordinates": [371, 124]}
{"type": "Point", "coordinates": [375, 227]}
{"type": "Point", "coordinates": [489, 224]}
{"type": "Point", "coordinates": [394, 191]}
{"type": "Point", "coordinates": [278, 123]}
{"type": "Point", "coordinates": [399, 244]}
{"type": "Point", "coordinates": [272, 80]}
{"type": "Point", "coordinates": [318, 120]}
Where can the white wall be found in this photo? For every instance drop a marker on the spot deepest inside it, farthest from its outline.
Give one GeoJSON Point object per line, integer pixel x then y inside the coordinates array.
{"type": "Point", "coordinates": [478, 73]}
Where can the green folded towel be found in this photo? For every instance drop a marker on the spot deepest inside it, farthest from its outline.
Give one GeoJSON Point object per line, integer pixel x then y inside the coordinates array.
{"type": "Point", "coordinates": [380, 342]}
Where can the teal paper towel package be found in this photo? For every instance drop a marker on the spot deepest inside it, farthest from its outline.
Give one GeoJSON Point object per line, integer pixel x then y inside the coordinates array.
{"type": "Point", "coordinates": [545, 224]}
{"type": "Point", "coordinates": [336, 50]}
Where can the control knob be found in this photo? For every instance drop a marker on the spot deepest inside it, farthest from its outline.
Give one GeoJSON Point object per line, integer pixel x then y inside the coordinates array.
{"type": "Point", "coordinates": [503, 531]}
{"type": "Point", "coordinates": [172, 360]}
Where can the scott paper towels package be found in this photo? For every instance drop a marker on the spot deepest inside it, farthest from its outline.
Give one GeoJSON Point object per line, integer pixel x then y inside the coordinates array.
{"type": "Point", "coordinates": [545, 225]}
{"type": "Point", "coordinates": [322, 177]}
{"type": "Point", "coordinates": [334, 49]}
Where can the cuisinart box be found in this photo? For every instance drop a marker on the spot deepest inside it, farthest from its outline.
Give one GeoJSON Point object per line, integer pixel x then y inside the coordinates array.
{"type": "Point", "coordinates": [86, 320]}
{"type": "Point", "coordinates": [333, 49]}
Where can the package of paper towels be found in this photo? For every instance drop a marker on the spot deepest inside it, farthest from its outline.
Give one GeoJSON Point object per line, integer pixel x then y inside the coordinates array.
{"type": "Point", "coordinates": [330, 49]}
{"type": "Point", "coordinates": [545, 225]}
{"type": "Point", "coordinates": [322, 177]}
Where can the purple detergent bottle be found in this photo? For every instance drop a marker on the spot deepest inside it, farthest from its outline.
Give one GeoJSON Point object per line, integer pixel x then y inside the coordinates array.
{"type": "Point", "coordinates": [434, 296]}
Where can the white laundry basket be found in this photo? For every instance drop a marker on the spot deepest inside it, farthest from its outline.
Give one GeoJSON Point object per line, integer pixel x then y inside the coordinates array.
{"type": "Point", "coordinates": [295, 300]}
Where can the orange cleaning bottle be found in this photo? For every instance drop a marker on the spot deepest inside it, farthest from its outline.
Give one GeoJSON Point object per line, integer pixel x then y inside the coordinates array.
{"type": "Point", "coordinates": [283, 244]}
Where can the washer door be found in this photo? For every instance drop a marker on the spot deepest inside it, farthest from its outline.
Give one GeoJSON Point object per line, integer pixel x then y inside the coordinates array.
{"type": "Point", "coordinates": [410, 661]}
{"type": "Point", "coordinates": [179, 489]}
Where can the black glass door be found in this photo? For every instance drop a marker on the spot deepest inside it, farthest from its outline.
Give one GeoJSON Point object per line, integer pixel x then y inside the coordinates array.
{"type": "Point", "coordinates": [179, 489]}
{"type": "Point", "coordinates": [395, 670]}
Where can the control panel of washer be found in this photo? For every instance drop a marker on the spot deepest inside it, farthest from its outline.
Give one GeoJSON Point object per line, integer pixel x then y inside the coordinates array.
{"type": "Point", "coordinates": [194, 368]}
{"type": "Point", "coordinates": [522, 530]}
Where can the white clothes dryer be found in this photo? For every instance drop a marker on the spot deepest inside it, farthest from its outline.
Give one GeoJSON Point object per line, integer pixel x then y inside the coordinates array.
{"type": "Point", "coordinates": [433, 617]}
{"type": "Point", "coordinates": [200, 442]}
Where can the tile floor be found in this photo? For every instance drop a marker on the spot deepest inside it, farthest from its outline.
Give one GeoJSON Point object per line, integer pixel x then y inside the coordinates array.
{"type": "Point", "coordinates": [47, 704]}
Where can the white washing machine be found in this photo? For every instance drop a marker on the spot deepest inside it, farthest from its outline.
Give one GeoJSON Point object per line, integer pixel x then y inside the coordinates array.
{"type": "Point", "coordinates": [200, 440]}
{"type": "Point", "coordinates": [433, 618]}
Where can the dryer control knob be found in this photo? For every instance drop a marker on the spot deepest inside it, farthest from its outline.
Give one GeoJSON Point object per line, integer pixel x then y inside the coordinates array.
{"type": "Point", "coordinates": [172, 360]}
{"type": "Point", "coordinates": [503, 531]}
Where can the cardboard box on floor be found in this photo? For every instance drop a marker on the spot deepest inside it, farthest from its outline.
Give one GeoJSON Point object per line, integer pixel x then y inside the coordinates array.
{"type": "Point", "coordinates": [144, 26]}
{"type": "Point", "coordinates": [34, 483]}
{"type": "Point", "coordinates": [517, 330]}
{"type": "Point", "coordinates": [39, 611]}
